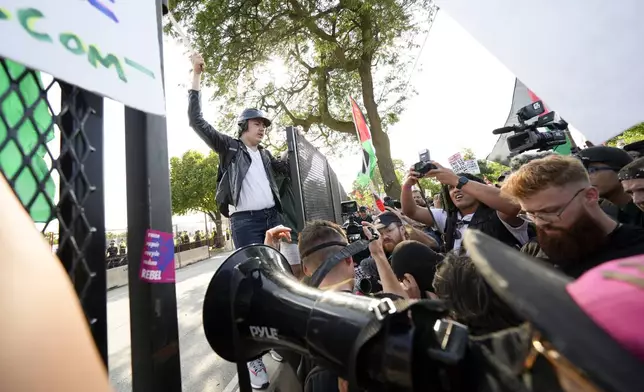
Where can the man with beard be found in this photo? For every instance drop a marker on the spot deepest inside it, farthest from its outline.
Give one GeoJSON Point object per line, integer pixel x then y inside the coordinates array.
{"type": "Point", "coordinates": [572, 230]}
{"type": "Point", "coordinates": [603, 163]}
{"type": "Point", "coordinates": [418, 198]}
{"type": "Point", "coordinates": [391, 230]}
{"type": "Point", "coordinates": [632, 179]}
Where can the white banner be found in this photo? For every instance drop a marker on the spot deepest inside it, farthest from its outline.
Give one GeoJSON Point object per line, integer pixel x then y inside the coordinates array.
{"type": "Point", "coordinates": [583, 58]}
{"type": "Point", "coordinates": [110, 47]}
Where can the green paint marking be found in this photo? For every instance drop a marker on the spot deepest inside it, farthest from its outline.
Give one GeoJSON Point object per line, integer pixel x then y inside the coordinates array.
{"type": "Point", "coordinates": [27, 18]}
{"type": "Point", "coordinates": [72, 42]}
{"type": "Point", "coordinates": [139, 67]}
{"type": "Point", "coordinates": [94, 56]}
{"type": "Point", "coordinates": [4, 14]}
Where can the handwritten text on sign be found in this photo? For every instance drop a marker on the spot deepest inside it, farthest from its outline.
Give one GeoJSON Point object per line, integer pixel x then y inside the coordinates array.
{"type": "Point", "coordinates": [157, 262]}
{"type": "Point", "coordinates": [110, 47]}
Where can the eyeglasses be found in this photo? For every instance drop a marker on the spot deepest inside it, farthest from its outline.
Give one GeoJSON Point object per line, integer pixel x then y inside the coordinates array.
{"type": "Point", "coordinates": [570, 377]}
{"type": "Point", "coordinates": [548, 217]}
{"type": "Point", "coordinates": [594, 169]}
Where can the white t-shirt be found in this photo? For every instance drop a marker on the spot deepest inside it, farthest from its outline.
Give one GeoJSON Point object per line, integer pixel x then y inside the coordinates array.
{"type": "Point", "coordinates": [520, 232]}
{"type": "Point", "coordinates": [255, 191]}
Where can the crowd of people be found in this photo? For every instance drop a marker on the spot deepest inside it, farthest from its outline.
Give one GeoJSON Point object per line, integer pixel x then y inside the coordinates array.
{"type": "Point", "coordinates": [569, 214]}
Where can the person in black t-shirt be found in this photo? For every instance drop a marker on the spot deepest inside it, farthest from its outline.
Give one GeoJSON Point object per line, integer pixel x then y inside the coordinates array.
{"type": "Point", "coordinates": [363, 215]}
{"type": "Point", "coordinates": [572, 230]}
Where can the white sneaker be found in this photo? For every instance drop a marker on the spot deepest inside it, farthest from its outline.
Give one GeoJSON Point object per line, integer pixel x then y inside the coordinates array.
{"type": "Point", "coordinates": [276, 356]}
{"type": "Point", "coordinates": [258, 374]}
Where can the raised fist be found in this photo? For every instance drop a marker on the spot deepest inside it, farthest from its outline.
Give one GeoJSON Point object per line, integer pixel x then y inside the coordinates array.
{"type": "Point", "coordinates": [197, 63]}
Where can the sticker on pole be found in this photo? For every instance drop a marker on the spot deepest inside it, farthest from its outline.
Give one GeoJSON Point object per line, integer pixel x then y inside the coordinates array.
{"type": "Point", "coordinates": [157, 262]}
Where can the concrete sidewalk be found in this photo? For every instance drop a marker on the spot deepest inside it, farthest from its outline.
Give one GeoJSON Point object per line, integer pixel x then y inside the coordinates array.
{"type": "Point", "coordinates": [201, 368]}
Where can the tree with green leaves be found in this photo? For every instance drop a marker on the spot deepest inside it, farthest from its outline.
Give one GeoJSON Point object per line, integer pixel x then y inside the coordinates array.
{"type": "Point", "coordinates": [330, 49]}
{"type": "Point", "coordinates": [193, 182]}
{"type": "Point", "coordinates": [631, 135]}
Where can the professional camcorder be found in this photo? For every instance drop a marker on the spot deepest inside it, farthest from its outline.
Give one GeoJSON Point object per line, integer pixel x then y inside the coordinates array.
{"type": "Point", "coordinates": [527, 136]}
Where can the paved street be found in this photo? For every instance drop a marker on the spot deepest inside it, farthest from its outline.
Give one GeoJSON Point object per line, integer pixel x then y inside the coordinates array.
{"type": "Point", "coordinates": [201, 368]}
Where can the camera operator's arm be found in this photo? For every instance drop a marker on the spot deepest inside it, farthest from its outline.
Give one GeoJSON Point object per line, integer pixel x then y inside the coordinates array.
{"type": "Point", "coordinates": [388, 279]}
{"type": "Point", "coordinates": [409, 207]}
{"type": "Point", "coordinates": [214, 139]}
{"type": "Point", "coordinates": [488, 195]}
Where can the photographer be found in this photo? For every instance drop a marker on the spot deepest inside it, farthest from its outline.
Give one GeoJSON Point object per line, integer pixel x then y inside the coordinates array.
{"type": "Point", "coordinates": [572, 230]}
{"type": "Point", "coordinates": [320, 240]}
{"type": "Point", "coordinates": [470, 203]}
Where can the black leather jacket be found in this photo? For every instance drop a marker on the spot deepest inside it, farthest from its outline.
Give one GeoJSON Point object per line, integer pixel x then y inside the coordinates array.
{"type": "Point", "coordinates": [232, 150]}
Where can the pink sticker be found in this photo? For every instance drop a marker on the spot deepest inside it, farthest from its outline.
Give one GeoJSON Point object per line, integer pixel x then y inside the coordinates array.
{"type": "Point", "coordinates": [157, 261]}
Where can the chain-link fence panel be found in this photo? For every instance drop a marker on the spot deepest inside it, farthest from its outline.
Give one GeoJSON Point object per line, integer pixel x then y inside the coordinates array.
{"type": "Point", "coordinates": [49, 136]}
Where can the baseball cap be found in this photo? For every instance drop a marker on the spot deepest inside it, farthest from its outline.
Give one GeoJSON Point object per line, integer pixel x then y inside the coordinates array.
{"type": "Point", "coordinates": [363, 209]}
{"type": "Point", "coordinates": [385, 219]}
{"type": "Point", "coordinates": [611, 156]}
{"type": "Point", "coordinates": [595, 322]}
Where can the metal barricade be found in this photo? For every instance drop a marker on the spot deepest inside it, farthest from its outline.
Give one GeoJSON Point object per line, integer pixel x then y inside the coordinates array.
{"type": "Point", "coordinates": [317, 191]}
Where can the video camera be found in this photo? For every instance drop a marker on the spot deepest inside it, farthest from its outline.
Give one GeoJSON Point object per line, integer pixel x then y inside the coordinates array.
{"type": "Point", "coordinates": [254, 304]}
{"type": "Point", "coordinates": [527, 137]}
{"type": "Point", "coordinates": [352, 228]}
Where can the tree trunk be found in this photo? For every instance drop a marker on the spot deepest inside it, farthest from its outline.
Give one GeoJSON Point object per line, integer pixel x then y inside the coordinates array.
{"type": "Point", "coordinates": [379, 137]}
{"type": "Point", "coordinates": [219, 238]}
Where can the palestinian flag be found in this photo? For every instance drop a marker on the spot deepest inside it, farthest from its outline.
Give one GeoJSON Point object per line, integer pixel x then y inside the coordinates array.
{"type": "Point", "coordinates": [522, 97]}
{"type": "Point", "coordinates": [369, 159]}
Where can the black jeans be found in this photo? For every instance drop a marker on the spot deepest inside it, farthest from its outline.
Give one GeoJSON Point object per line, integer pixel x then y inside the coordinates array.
{"type": "Point", "coordinates": [249, 227]}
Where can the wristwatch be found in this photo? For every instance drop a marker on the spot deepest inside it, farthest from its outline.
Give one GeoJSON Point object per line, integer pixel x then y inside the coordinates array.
{"type": "Point", "coordinates": [462, 181]}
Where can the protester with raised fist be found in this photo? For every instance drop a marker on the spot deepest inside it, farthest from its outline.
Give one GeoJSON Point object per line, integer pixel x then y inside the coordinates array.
{"type": "Point", "coordinates": [247, 192]}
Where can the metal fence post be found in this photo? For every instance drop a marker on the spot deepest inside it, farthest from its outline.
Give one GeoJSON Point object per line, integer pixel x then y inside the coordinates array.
{"type": "Point", "coordinates": [82, 205]}
{"type": "Point", "coordinates": [153, 307]}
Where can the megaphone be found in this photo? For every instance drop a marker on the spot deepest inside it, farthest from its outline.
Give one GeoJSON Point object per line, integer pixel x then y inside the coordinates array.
{"type": "Point", "coordinates": [254, 304]}
{"type": "Point", "coordinates": [270, 308]}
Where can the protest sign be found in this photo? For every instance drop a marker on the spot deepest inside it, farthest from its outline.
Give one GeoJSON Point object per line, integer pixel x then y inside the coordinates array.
{"type": "Point", "coordinates": [472, 167]}
{"type": "Point", "coordinates": [110, 47]}
{"type": "Point", "coordinates": [457, 162]}
{"type": "Point", "coordinates": [157, 261]}
{"type": "Point", "coordinates": [592, 79]}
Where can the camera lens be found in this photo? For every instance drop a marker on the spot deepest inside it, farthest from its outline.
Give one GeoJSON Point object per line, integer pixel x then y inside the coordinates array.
{"type": "Point", "coordinates": [365, 286]}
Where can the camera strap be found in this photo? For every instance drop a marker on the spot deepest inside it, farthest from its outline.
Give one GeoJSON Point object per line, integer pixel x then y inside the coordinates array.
{"type": "Point", "coordinates": [349, 250]}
